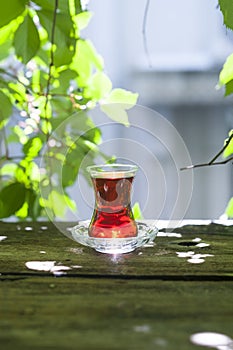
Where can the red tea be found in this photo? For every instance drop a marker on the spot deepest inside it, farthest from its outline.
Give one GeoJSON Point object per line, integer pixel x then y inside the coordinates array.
{"type": "Point", "coordinates": [112, 217]}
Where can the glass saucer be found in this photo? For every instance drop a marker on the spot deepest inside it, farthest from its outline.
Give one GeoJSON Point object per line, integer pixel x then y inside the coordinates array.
{"type": "Point", "coordinates": [147, 232]}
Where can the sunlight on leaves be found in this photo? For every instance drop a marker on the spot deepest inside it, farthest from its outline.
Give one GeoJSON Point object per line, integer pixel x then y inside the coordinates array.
{"type": "Point", "coordinates": [10, 10]}
{"type": "Point", "coordinates": [8, 169]}
{"type": "Point", "coordinates": [49, 73]}
{"type": "Point", "coordinates": [100, 86]}
{"type": "Point", "coordinates": [82, 20]}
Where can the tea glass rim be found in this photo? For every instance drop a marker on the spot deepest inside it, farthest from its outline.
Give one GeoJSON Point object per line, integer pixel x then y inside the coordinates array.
{"type": "Point", "coordinates": [114, 169]}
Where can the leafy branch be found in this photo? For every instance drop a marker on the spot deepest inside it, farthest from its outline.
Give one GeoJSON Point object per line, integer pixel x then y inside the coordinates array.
{"type": "Point", "coordinates": [48, 73]}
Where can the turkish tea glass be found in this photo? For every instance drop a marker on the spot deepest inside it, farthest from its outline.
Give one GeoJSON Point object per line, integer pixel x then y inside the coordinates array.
{"type": "Point", "coordinates": [112, 216]}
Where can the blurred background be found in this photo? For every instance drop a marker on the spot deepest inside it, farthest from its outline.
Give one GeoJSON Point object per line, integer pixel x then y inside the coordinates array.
{"type": "Point", "coordinates": [187, 46]}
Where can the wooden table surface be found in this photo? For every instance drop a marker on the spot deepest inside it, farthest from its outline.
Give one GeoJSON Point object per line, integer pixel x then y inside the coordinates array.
{"type": "Point", "coordinates": [156, 297]}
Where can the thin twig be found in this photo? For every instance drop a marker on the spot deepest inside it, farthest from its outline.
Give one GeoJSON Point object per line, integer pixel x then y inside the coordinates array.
{"type": "Point", "coordinates": [144, 33]}
{"type": "Point", "coordinates": [207, 164]}
{"type": "Point", "coordinates": [212, 161]}
{"type": "Point", "coordinates": [51, 64]}
{"type": "Point", "coordinates": [222, 149]}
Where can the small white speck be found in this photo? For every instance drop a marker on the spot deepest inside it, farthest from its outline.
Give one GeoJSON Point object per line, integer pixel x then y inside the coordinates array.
{"type": "Point", "coordinates": [59, 273]}
{"type": "Point", "coordinates": [202, 245]}
{"type": "Point", "coordinates": [28, 228]}
{"type": "Point", "coordinates": [75, 250]}
{"type": "Point", "coordinates": [2, 238]}
{"type": "Point", "coordinates": [213, 340]}
{"type": "Point", "coordinates": [149, 245]}
{"type": "Point", "coordinates": [160, 342]}
{"type": "Point", "coordinates": [140, 253]}
{"type": "Point", "coordinates": [196, 240]}
{"type": "Point", "coordinates": [169, 234]}
{"type": "Point", "coordinates": [48, 266]}
{"type": "Point", "coordinates": [40, 265]}
{"type": "Point", "coordinates": [44, 228]}
{"type": "Point", "coordinates": [59, 268]}
{"type": "Point", "coordinates": [196, 261]}
{"type": "Point", "coordinates": [142, 329]}
{"type": "Point", "coordinates": [184, 254]}
{"type": "Point", "coordinates": [76, 267]}
{"type": "Point", "coordinates": [198, 256]}
{"type": "Point", "coordinates": [42, 252]}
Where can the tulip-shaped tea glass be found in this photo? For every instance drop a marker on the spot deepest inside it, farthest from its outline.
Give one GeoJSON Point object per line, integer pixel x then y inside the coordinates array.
{"type": "Point", "coordinates": [112, 216]}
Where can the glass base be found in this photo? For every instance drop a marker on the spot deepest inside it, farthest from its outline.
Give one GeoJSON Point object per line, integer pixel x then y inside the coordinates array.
{"type": "Point", "coordinates": [146, 233]}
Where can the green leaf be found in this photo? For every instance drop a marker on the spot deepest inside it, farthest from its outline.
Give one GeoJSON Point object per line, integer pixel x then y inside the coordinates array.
{"type": "Point", "coordinates": [20, 134]}
{"type": "Point", "coordinates": [26, 40]}
{"type": "Point", "coordinates": [82, 20]}
{"type": "Point", "coordinates": [12, 198]}
{"type": "Point", "coordinates": [229, 88]}
{"type": "Point", "coordinates": [226, 74]}
{"type": "Point", "coordinates": [64, 25]}
{"type": "Point", "coordinates": [33, 172]}
{"type": "Point", "coordinates": [6, 107]}
{"type": "Point", "coordinates": [63, 5]}
{"type": "Point", "coordinates": [62, 107]}
{"type": "Point", "coordinates": [34, 208]}
{"type": "Point", "coordinates": [4, 49]}
{"type": "Point", "coordinates": [32, 148]}
{"type": "Point", "coordinates": [57, 203]}
{"type": "Point", "coordinates": [8, 169]}
{"type": "Point", "coordinates": [64, 81]}
{"type": "Point", "coordinates": [137, 213]}
{"type": "Point", "coordinates": [99, 87]}
{"type": "Point", "coordinates": [18, 91]}
{"type": "Point", "coordinates": [23, 211]}
{"type": "Point", "coordinates": [10, 10]}
{"type": "Point", "coordinates": [116, 113]}
{"type": "Point", "coordinates": [6, 32]}
{"type": "Point", "coordinates": [116, 104]}
{"type": "Point", "coordinates": [124, 97]}
{"type": "Point", "coordinates": [226, 6]}
{"type": "Point", "coordinates": [84, 60]}
{"type": "Point", "coordinates": [6, 36]}
{"type": "Point", "coordinates": [229, 150]}
{"type": "Point", "coordinates": [229, 209]}
{"type": "Point", "coordinates": [64, 35]}
{"type": "Point", "coordinates": [78, 6]}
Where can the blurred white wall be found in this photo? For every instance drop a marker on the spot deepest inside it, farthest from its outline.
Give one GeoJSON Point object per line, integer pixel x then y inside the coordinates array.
{"type": "Point", "coordinates": [187, 46]}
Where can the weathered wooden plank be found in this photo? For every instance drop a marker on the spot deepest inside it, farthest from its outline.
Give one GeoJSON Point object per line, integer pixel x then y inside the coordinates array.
{"type": "Point", "coordinates": [160, 261]}
{"type": "Point", "coordinates": [75, 313]}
